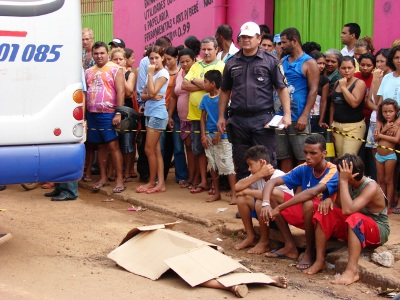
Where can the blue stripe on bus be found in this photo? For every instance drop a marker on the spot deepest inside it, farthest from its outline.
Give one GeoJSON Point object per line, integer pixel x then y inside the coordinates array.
{"type": "Point", "coordinates": [28, 164]}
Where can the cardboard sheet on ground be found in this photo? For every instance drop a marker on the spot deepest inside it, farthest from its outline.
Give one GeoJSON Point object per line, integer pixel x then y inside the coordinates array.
{"type": "Point", "coordinates": [144, 253]}
{"type": "Point", "coordinates": [150, 251]}
{"type": "Point", "coordinates": [202, 264]}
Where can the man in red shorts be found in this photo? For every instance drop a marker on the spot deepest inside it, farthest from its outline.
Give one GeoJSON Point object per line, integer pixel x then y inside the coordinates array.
{"type": "Point", "coordinates": [318, 180]}
{"type": "Point", "coordinates": [358, 217]}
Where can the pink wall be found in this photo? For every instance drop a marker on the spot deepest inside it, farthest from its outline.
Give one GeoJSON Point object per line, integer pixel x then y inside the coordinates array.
{"type": "Point", "coordinates": [386, 25]}
{"type": "Point", "coordinates": [142, 23]}
{"type": "Point", "coordinates": [137, 23]}
{"type": "Point", "coordinates": [241, 11]}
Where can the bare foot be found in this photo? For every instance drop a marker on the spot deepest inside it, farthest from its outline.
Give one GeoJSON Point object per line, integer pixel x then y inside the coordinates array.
{"type": "Point", "coordinates": [348, 277]}
{"type": "Point", "coordinates": [247, 242]}
{"type": "Point", "coordinates": [144, 188]}
{"type": "Point", "coordinates": [280, 253]}
{"type": "Point", "coordinates": [280, 281]}
{"type": "Point", "coordinates": [316, 267]}
{"type": "Point", "coordinates": [306, 261]}
{"type": "Point", "coordinates": [240, 290]}
{"type": "Point", "coordinates": [260, 248]}
{"type": "Point", "coordinates": [233, 201]}
{"type": "Point", "coordinates": [213, 198]}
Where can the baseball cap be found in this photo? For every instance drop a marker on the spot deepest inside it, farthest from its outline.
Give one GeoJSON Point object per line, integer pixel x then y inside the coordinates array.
{"type": "Point", "coordinates": [277, 38]}
{"type": "Point", "coordinates": [117, 42]}
{"type": "Point", "coordinates": [249, 29]}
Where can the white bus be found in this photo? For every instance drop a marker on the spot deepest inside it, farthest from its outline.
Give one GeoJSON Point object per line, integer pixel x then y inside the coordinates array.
{"type": "Point", "coordinates": [41, 99]}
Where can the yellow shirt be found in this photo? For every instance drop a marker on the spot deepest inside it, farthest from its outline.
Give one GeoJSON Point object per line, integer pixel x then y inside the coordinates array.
{"type": "Point", "coordinates": [197, 71]}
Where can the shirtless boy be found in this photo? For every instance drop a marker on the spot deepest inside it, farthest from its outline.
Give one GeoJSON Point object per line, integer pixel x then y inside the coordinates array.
{"type": "Point", "coordinates": [358, 217]}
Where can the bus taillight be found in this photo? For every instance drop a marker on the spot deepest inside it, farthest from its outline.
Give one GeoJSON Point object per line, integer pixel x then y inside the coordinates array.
{"type": "Point", "coordinates": [78, 113]}
{"type": "Point", "coordinates": [78, 96]}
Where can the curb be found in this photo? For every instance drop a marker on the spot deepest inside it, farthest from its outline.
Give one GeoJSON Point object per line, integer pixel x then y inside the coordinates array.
{"type": "Point", "coordinates": [152, 206]}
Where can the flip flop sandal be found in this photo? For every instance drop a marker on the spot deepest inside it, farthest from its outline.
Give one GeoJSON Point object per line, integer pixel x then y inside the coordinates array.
{"type": "Point", "coordinates": [98, 185]}
{"type": "Point", "coordinates": [154, 190]}
{"type": "Point", "coordinates": [198, 189]}
{"type": "Point", "coordinates": [119, 189]}
{"type": "Point", "coordinates": [183, 184]}
{"type": "Point", "coordinates": [303, 265]}
{"type": "Point", "coordinates": [128, 179]}
{"type": "Point", "coordinates": [87, 179]}
{"type": "Point", "coordinates": [142, 189]}
{"type": "Point", "coordinates": [211, 192]}
{"type": "Point", "coordinates": [396, 210]}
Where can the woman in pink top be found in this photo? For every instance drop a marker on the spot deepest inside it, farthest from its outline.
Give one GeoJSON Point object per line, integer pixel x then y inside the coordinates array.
{"type": "Point", "coordinates": [180, 101]}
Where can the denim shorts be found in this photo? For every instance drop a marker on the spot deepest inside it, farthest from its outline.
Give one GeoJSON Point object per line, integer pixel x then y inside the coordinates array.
{"type": "Point", "coordinates": [156, 123]}
{"type": "Point", "coordinates": [370, 137]}
{"type": "Point", "coordinates": [126, 142]}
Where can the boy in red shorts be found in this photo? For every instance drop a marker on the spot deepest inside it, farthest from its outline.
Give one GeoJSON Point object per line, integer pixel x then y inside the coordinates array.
{"type": "Point", "coordinates": [359, 217]}
{"type": "Point", "coordinates": [318, 180]}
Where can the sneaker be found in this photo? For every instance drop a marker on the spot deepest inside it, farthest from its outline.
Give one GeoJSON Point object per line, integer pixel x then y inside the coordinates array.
{"type": "Point", "coordinates": [4, 237]}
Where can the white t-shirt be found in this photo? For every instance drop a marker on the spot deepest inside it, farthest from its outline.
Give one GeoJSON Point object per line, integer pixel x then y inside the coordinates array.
{"type": "Point", "coordinates": [259, 184]}
{"type": "Point", "coordinates": [345, 51]}
{"type": "Point", "coordinates": [232, 50]}
{"type": "Point", "coordinates": [390, 87]}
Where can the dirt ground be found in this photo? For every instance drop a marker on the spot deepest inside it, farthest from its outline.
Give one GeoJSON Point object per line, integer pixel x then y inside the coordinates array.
{"type": "Point", "coordinates": [59, 250]}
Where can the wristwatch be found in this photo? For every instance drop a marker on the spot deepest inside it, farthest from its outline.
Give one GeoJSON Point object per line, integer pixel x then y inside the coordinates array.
{"type": "Point", "coordinates": [265, 204]}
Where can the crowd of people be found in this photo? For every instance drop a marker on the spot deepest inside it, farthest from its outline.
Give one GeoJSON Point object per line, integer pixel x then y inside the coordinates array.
{"type": "Point", "coordinates": [210, 104]}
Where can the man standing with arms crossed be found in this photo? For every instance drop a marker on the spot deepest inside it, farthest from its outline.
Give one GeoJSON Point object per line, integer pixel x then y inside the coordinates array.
{"type": "Point", "coordinates": [105, 91]}
{"type": "Point", "coordinates": [249, 78]}
{"type": "Point", "coordinates": [194, 83]}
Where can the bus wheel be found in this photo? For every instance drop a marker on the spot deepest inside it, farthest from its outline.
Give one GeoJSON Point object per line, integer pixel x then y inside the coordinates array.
{"type": "Point", "coordinates": [29, 186]}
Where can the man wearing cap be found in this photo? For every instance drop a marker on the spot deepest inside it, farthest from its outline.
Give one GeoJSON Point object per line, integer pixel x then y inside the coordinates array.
{"type": "Point", "coordinates": [248, 79]}
{"type": "Point", "coordinates": [105, 91]}
{"type": "Point", "coordinates": [302, 76]}
{"type": "Point", "coordinates": [117, 43]}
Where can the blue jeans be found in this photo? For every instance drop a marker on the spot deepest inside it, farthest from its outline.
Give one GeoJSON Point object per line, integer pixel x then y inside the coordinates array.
{"type": "Point", "coordinates": [68, 189]}
{"type": "Point", "coordinates": [171, 143]}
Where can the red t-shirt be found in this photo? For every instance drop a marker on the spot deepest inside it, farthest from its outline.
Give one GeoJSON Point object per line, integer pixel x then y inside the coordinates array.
{"type": "Point", "coordinates": [366, 111]}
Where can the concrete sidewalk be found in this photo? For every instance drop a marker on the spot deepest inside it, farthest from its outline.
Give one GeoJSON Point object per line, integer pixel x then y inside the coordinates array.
{"type": "Point", "coordinates": [180, 203]}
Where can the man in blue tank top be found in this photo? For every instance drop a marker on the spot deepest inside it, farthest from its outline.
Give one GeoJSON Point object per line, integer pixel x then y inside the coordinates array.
{"type": "Point", "coordinates": [302, 76]}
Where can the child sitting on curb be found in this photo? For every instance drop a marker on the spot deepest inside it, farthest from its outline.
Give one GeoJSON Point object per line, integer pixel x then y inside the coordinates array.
{"type": "Point", "coordinates": [249, 197]}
